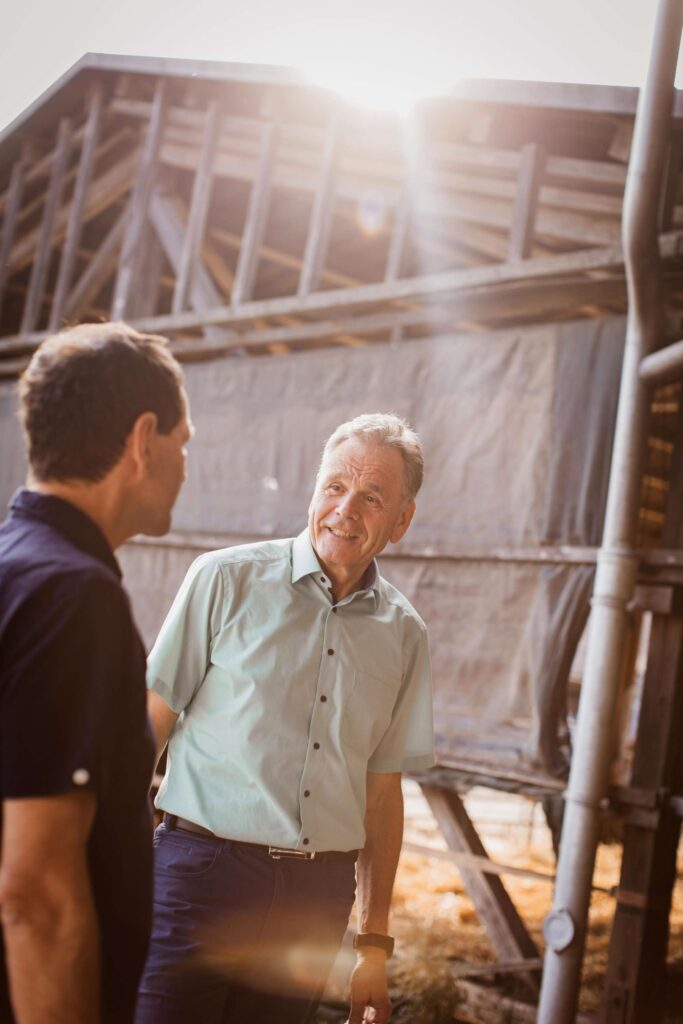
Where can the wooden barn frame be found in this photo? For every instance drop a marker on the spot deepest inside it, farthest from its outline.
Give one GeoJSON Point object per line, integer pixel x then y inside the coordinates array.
{"type": "Point", "coordinates": [246, 213]}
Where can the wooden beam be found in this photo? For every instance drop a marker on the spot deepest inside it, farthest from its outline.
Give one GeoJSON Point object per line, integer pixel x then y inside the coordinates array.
{"type": "Point", "coordinates": [170, 230]}
{"type": "Point", "coordinates": [40, 264]}
{"type": "Point", "coordinates": [526, 202]}
{"type": "Point", "coordinates": [321, 216]}
{"type": "Point", "coordinates": [199, 208]}
{"type": "Point", "coordinates": [532, 271]}
{"type": "Point", "coordinates": [109, 143]}
{"type": "Point", "coordinates": [139, 201]}
{"type": "Point", "coordinates": [104, 192]}
{"type": "Point", "coordinates": [671, 184]}
{"type": "Point", "coordinates": [478, 1005]}
{"type": "Point", "coordinates": [563, 223]}
{"type": "Point", "coordinates": [75, 222]}
{"type": "Point", "coordinates": [604, 175]}
{"type": "Point", "coordinates": [283, 259]}
{"type": "Point", "coordinates": [98, 270]}
{"type": "Point", "coordinates": [256, 219]}
{"type": "Point", "coordinates": [504, 927]}
{"type": "Point", "coordinates": [13, 203]}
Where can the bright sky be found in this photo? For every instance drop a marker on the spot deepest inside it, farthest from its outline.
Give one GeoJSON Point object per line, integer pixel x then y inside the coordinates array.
{"type": "Point", "coordinates": [384, 51]}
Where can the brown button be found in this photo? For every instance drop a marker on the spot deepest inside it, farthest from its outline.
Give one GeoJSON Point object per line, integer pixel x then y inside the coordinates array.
{"type": "Point", "coordinates": [316, 746]}
{"type": "Point", "coordinates": [306, 842]}
{"type": "Point", "coordinates": [323, 699]}
{"type": "Point", "coordinates": [307, 792]}
{"type": "Point", "coordinates": [330, 650]}
{"type": "Point", "coordinates": [334, 610]}
{"type": "Point", "coordinates": [323, 580]}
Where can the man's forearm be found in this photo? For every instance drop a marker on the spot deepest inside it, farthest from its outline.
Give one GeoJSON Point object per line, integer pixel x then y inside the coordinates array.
{"type": "Point", "coordinates": [378, 860]}
{"type": "Point", "coordinates": [53, 959]}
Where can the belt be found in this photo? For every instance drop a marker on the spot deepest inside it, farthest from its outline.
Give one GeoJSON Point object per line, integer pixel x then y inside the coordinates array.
{"type": "Point", "coordinates": [274, 852]}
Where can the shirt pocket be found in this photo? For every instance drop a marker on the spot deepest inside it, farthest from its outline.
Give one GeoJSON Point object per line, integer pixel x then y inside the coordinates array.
{"type": "Point", "coordinates": [367, 712]}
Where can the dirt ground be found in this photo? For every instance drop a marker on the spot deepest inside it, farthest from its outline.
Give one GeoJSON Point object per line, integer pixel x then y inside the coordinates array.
{"type": "Point", "coordinates": [435, 923]}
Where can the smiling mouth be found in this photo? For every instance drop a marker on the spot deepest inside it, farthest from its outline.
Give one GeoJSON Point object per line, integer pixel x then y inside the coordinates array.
{"type": "Point", "coordinates": [342, 534]}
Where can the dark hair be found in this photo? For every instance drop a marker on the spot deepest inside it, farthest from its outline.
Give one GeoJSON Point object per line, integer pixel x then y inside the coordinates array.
{"type": "Point", "coordinates": [84, 389]}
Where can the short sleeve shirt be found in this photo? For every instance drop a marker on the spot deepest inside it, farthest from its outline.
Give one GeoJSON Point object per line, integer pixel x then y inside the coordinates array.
{"type": "Point", "coordinates": [72, 712]}
{"type": "Point", "coordinates": [286, 699]}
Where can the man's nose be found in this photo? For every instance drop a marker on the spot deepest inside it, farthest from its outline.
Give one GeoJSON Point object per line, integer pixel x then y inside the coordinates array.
{"type": "Point", "coordinates": [348, 506]}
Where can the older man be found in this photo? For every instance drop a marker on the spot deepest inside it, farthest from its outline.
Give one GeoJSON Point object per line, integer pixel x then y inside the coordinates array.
{"type": "Point", "coordinates": [294, 684]}
{"type": "Point", "coordinates": [106, 420]}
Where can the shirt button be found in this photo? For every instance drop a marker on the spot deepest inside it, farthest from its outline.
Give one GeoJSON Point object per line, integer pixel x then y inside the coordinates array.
{"type": "Point", "coordinates": [306, 842]}
{"type": "Point", "coordinates": [330, 650]}
{"type": "Point", "coordinates": [307, 792]}
{"type": "Point", "coordinates": [323, 580]}
{"type": "Point", "coordinates": [316, 746]}
{"type": "Point", "coordinates": [323, 699]}
{"type": "Point", "coordinates": [334, 610]}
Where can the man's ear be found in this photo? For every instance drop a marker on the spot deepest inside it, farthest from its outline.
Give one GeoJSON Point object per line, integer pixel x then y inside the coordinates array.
{"type": "Point", "coordinates": [140, 439]}
{"type": "Point", "coordinates": [403, 522]}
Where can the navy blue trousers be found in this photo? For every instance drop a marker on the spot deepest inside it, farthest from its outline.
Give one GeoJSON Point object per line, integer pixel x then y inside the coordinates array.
{"type": "Point", "coordinates": [237, 936]}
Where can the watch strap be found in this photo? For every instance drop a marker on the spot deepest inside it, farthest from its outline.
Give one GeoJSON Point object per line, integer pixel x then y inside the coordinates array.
{"type": "Point", "coordinates": [385, 942]}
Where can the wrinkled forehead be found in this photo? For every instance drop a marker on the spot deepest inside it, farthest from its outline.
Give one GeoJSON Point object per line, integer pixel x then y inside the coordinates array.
{"type": "Point", "coordinates": [377, 464]}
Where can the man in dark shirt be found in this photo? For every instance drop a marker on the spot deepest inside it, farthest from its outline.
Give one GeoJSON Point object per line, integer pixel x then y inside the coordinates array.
{"type": "Point", "coordinates": [106, 421]}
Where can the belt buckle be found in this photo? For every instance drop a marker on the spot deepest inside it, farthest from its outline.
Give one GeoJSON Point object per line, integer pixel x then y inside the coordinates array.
{"type": "Point", "coordinates": [281, 853]}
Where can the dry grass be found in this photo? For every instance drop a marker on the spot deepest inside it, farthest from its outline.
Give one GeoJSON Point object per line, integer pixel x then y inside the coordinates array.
{"type": "Point", "coordinates": [435, 923]}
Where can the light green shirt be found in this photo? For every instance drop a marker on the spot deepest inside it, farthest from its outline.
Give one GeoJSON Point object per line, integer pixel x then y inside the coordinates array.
{"type": "Point", "coordinates": [285, 699]}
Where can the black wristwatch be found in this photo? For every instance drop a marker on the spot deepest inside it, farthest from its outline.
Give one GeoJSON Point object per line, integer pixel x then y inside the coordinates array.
{"type": "Point", "coordinates": [385, 942]}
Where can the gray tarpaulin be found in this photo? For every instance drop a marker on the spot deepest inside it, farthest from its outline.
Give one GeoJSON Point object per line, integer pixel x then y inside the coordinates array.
{"type": "Point", "coordinates": [517, 428]}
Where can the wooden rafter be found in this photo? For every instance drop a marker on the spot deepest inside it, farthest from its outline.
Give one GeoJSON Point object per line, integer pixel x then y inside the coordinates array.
{"type": "Point", "coordinates": [78, 200]}
{"type": "Point", "coordinates": [139, 201]}
{"type": "Point", "coordinates": [45, 239]}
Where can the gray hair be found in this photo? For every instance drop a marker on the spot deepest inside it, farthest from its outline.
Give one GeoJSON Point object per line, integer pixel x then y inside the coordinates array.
{"type": "Point", "coordinates": [387, 430]}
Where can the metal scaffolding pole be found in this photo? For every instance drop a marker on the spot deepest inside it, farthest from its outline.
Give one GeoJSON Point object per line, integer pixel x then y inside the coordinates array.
{"type": "Point", "coordinates": [565, 926]}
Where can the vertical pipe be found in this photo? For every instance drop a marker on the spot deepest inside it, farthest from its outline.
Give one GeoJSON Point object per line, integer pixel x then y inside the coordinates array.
{"type": "Point", "coordinates": [565, 926]}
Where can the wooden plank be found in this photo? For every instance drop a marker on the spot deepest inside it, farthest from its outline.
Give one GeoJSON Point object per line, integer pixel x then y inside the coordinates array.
{"type": "Point", "coordinates": [671, 184]}
{"type": "Point", "coordinates": [12, 205]}
{"type": "Point", "coordinates": [638, 945]}
{"type": "Point", "coordinates": [561, 223]}
{"type": "Point", "coordinates": [170, 231]}
{"type": "Point", "coordinates": [321, 216]}
{"type": "Point", "coordinates": [526, 201]}
{"type": "Point", "coordinates": [478, 1005]}
{"type": "Point", "coordinates": [109, 143]}
{"type": "Point", "coordinates": [36, 285]}
{"type": "Point", "coordinates": [256, 219]}
{"type": "Point", "coordinates": [98, 270]}
{"type": "Point", "coordinates": [139, 201]}
{"type": "Point", "coordinates": [399, 235]}
{"type": "Point", "coordinates": [104, 192]}
{"type": "Point", "coordinates": [433, 316]}
{"type": "Point", "coordinates": [504, 927]}
{"type": "Point", "coordinates": [199, 208]}
{"type": "Point", "coordinates": [605, 176]}
{"type": "Point", "coordinates": [75, 222]}
{"type": "Point", "coordinates": [409, 288]}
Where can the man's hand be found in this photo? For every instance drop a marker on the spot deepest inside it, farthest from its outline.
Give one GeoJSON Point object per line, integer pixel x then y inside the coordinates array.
{"type": "Point", "coordinates": [368, 988]}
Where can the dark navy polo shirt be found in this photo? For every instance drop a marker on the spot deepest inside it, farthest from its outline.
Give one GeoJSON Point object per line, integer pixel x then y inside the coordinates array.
{"type": "Point", "coordinates": [72, 714]}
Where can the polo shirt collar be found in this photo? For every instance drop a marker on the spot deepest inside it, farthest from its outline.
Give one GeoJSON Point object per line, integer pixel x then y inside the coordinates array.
{"type": "Point", "coordinates": [68, 520]}
{"type": "Point", "coordinates": [305, 563]}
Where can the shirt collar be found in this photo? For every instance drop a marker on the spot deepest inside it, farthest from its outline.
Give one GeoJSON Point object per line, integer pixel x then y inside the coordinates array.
{"type": "Point", "coordinates": [305, 563]}
{"type": "Point", "coordinates": [304, 559]}
{"type": "Point", "coordinates": [68, 520]}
